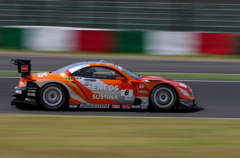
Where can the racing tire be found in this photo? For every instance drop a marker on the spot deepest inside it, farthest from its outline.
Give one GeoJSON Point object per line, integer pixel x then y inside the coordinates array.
{"type": "Point", "coordinates": [163, 97]}
{"type": "Point", "coordinates": [52, 97]}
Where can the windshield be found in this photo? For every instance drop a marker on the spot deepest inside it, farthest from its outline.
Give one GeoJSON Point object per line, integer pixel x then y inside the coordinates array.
{"type": "Point", "coordinates": [133, 75]}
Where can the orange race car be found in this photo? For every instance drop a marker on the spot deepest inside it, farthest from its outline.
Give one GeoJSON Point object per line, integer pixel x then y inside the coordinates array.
{"type": "Point", "coordinates": [99, 84]}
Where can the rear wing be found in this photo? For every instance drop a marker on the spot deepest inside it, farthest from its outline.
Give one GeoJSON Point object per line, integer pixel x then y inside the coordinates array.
{"type": "Point", "coordinates": [23, 65]}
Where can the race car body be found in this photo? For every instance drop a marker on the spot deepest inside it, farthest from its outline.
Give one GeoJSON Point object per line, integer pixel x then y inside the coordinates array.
{"type": "Point", "coordinates": [99, 85]}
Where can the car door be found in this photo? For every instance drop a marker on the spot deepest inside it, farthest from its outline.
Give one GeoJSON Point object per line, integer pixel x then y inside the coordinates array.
{"type": "Point", "coordinates": [107, 86]}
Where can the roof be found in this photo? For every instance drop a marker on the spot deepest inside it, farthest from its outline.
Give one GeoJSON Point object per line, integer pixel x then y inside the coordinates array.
{"type": "Point", "coordinates": [79, 64]}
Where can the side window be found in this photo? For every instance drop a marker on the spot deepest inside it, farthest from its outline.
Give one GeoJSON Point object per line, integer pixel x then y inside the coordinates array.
{"type": "Point", "coordinates": [78, 73]}
{"type": "Point", "coordinates": [101, 73]}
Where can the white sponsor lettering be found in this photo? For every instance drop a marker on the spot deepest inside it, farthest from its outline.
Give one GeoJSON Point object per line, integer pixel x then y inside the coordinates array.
{"type": "Point", "coordinates": [141, 86]}
{"type": "Point", "coordinates": [183, 85]}
{"type": "Point", "coordinates": [73, 106]}
{"type": "Point", "coordinates": [94, 106]}
{"type": "Point", "coordinates": [104, 96]}
{"type": "Point", "coordinates": [136, 106]}
{"type": "Point", "coordinates": [31, 94]}
{"type": "Point", "coordinates": [105, 88]}
{"type": "Point", "coordinates": [33, 91]}
{"type": "Point", "coordinates": [42, 74]}
{"type": "Point", "coordinates": [119, 67]}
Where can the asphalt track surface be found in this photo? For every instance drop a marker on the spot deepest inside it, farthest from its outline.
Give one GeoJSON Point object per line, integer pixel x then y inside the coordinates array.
{"type": "Point", "coordinates": [215, 99]}
{"type": "Point", "coordinates": [53, 62]}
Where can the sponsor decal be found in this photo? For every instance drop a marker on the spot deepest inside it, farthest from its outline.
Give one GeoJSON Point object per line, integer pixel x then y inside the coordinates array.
{"type": "Point", "coordinates": [69, 78]}
{"type": "Point", "coordinates": [144, 100]}
{"type": "Point", "coordinates": [31, 94]}
{"type": "Point", "coordinates": [100, 106]}
{"type": "Point", "coordinates": [24, 68]}
{"type": "Point", "coordinates": [141, 86]}
{"type": "Point", "coordinates": [105, 96]}
{"type": "Point", "coordinates": [33, 91]}
{"type": "Point", "coordinates": [136, 106]}
{"type": "Point", "coordinates": [105, 92]}
{"type": "Point", "coordinates": [73, 106]}
{"type": "Point", "coordinates": [115, 106]}
{"type": "Point", "coordinates": [86, 84]}
{"type": "Point", "coordinates": [126, 106]}
{"type": "Point", "coordinates": [143, 107]}
{"type": "Point", "coordinates": [105, 88]}
{"type": "Point", "coordinates": [126, 93]}
{"type": "Point", "coordinates": [42, 74]}
{"type": "Point", "coordinates": [119, 67]}
{"type": "Point", "coordinates": [90, 80]}
{"type": "Point", "coordinates": [142, 91]}
{"type": "Point", "coordinates": [32, 87]}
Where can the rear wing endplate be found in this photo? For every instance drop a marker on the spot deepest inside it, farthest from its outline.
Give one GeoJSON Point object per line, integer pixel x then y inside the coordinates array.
{"type": "Point", "coordinates": [23, 65]}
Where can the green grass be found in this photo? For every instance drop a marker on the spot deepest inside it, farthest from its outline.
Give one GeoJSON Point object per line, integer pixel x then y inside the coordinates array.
{"type": "Point", "coordinates": [174, 76]}
{"type": "Point", "coordinates": [114, 137]}
{"type": "Point", "coordinates": [13, 73]}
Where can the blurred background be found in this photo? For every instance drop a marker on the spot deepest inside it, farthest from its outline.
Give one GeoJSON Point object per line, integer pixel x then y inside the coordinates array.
{"type": "Point", "coordinates": [165, 27]}
{"type": "Point", "coordinates": [164, 15]}
{"type": "Point", "coordinates": [159, 27]}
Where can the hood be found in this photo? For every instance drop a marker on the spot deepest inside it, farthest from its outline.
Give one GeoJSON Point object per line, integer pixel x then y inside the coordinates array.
{"type": "Point", "coordinates": [161, 79]}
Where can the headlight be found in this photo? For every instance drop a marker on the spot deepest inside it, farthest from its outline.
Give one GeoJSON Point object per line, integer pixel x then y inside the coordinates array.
{"type": "Point", "coordinates": [183, 85]}
{"type": "Point", "coordinates": [18, 92]}
{"type": "Point", "coordinates": [192, 92]}
{"type": "Point", "coordinates": [184, 92]}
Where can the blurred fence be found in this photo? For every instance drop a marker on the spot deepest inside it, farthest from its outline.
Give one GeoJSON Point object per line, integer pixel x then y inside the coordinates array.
{"type": "Point", "coordinates": [162, 15]}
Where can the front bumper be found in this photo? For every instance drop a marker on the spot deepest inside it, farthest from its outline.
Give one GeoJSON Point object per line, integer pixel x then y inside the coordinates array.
{"type": "Point", "coordinates": [23, 95]}
{"type": "Point", "coordinates": [187, 105]}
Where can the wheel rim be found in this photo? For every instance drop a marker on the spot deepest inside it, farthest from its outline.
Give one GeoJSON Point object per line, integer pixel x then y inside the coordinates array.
{"type": "Point", "coordinates": [163, 97]}
{"type": "Point", "coordinates": [52, 96]}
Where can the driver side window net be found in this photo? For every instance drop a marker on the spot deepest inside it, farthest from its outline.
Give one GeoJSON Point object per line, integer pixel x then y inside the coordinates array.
{"type": "Point", "coordinates": [78, 73]}
{"type": "Point", "coordinates": [101, 73]}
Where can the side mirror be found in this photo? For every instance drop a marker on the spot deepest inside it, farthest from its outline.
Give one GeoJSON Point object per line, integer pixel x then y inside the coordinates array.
{"type": "Point", "coordinates": [120, 78]}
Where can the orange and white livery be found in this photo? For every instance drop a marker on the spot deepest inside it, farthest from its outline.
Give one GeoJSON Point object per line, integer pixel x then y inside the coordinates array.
{"type": "Point", "coordinates": [99, 84]}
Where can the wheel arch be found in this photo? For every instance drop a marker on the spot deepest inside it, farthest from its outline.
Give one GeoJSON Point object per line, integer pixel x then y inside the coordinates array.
{"type": "Point", "coordinates": [174, 88]}
{"type": "Point", "coordinates": [53, 82]}
{"type": "Point", "coordinates": [167, 84]}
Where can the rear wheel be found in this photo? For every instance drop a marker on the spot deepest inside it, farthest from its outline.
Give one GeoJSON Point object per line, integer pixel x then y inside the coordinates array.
{"type": "Point", "coordinates": [52, 97]}
{"type": "Point", "coordinates": [163, 97]}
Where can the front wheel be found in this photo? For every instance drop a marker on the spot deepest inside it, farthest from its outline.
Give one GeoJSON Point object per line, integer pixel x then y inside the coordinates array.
{"type": "Point", "coordinates": [163, 97]}
{"type": "Point", "coordinates": [52, 97]}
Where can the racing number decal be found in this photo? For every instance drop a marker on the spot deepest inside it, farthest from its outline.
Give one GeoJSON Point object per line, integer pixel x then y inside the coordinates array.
{"type": "Point", "coordinates": [42, 74]}
{"type": "Point", "coordinates": [126, 92]}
